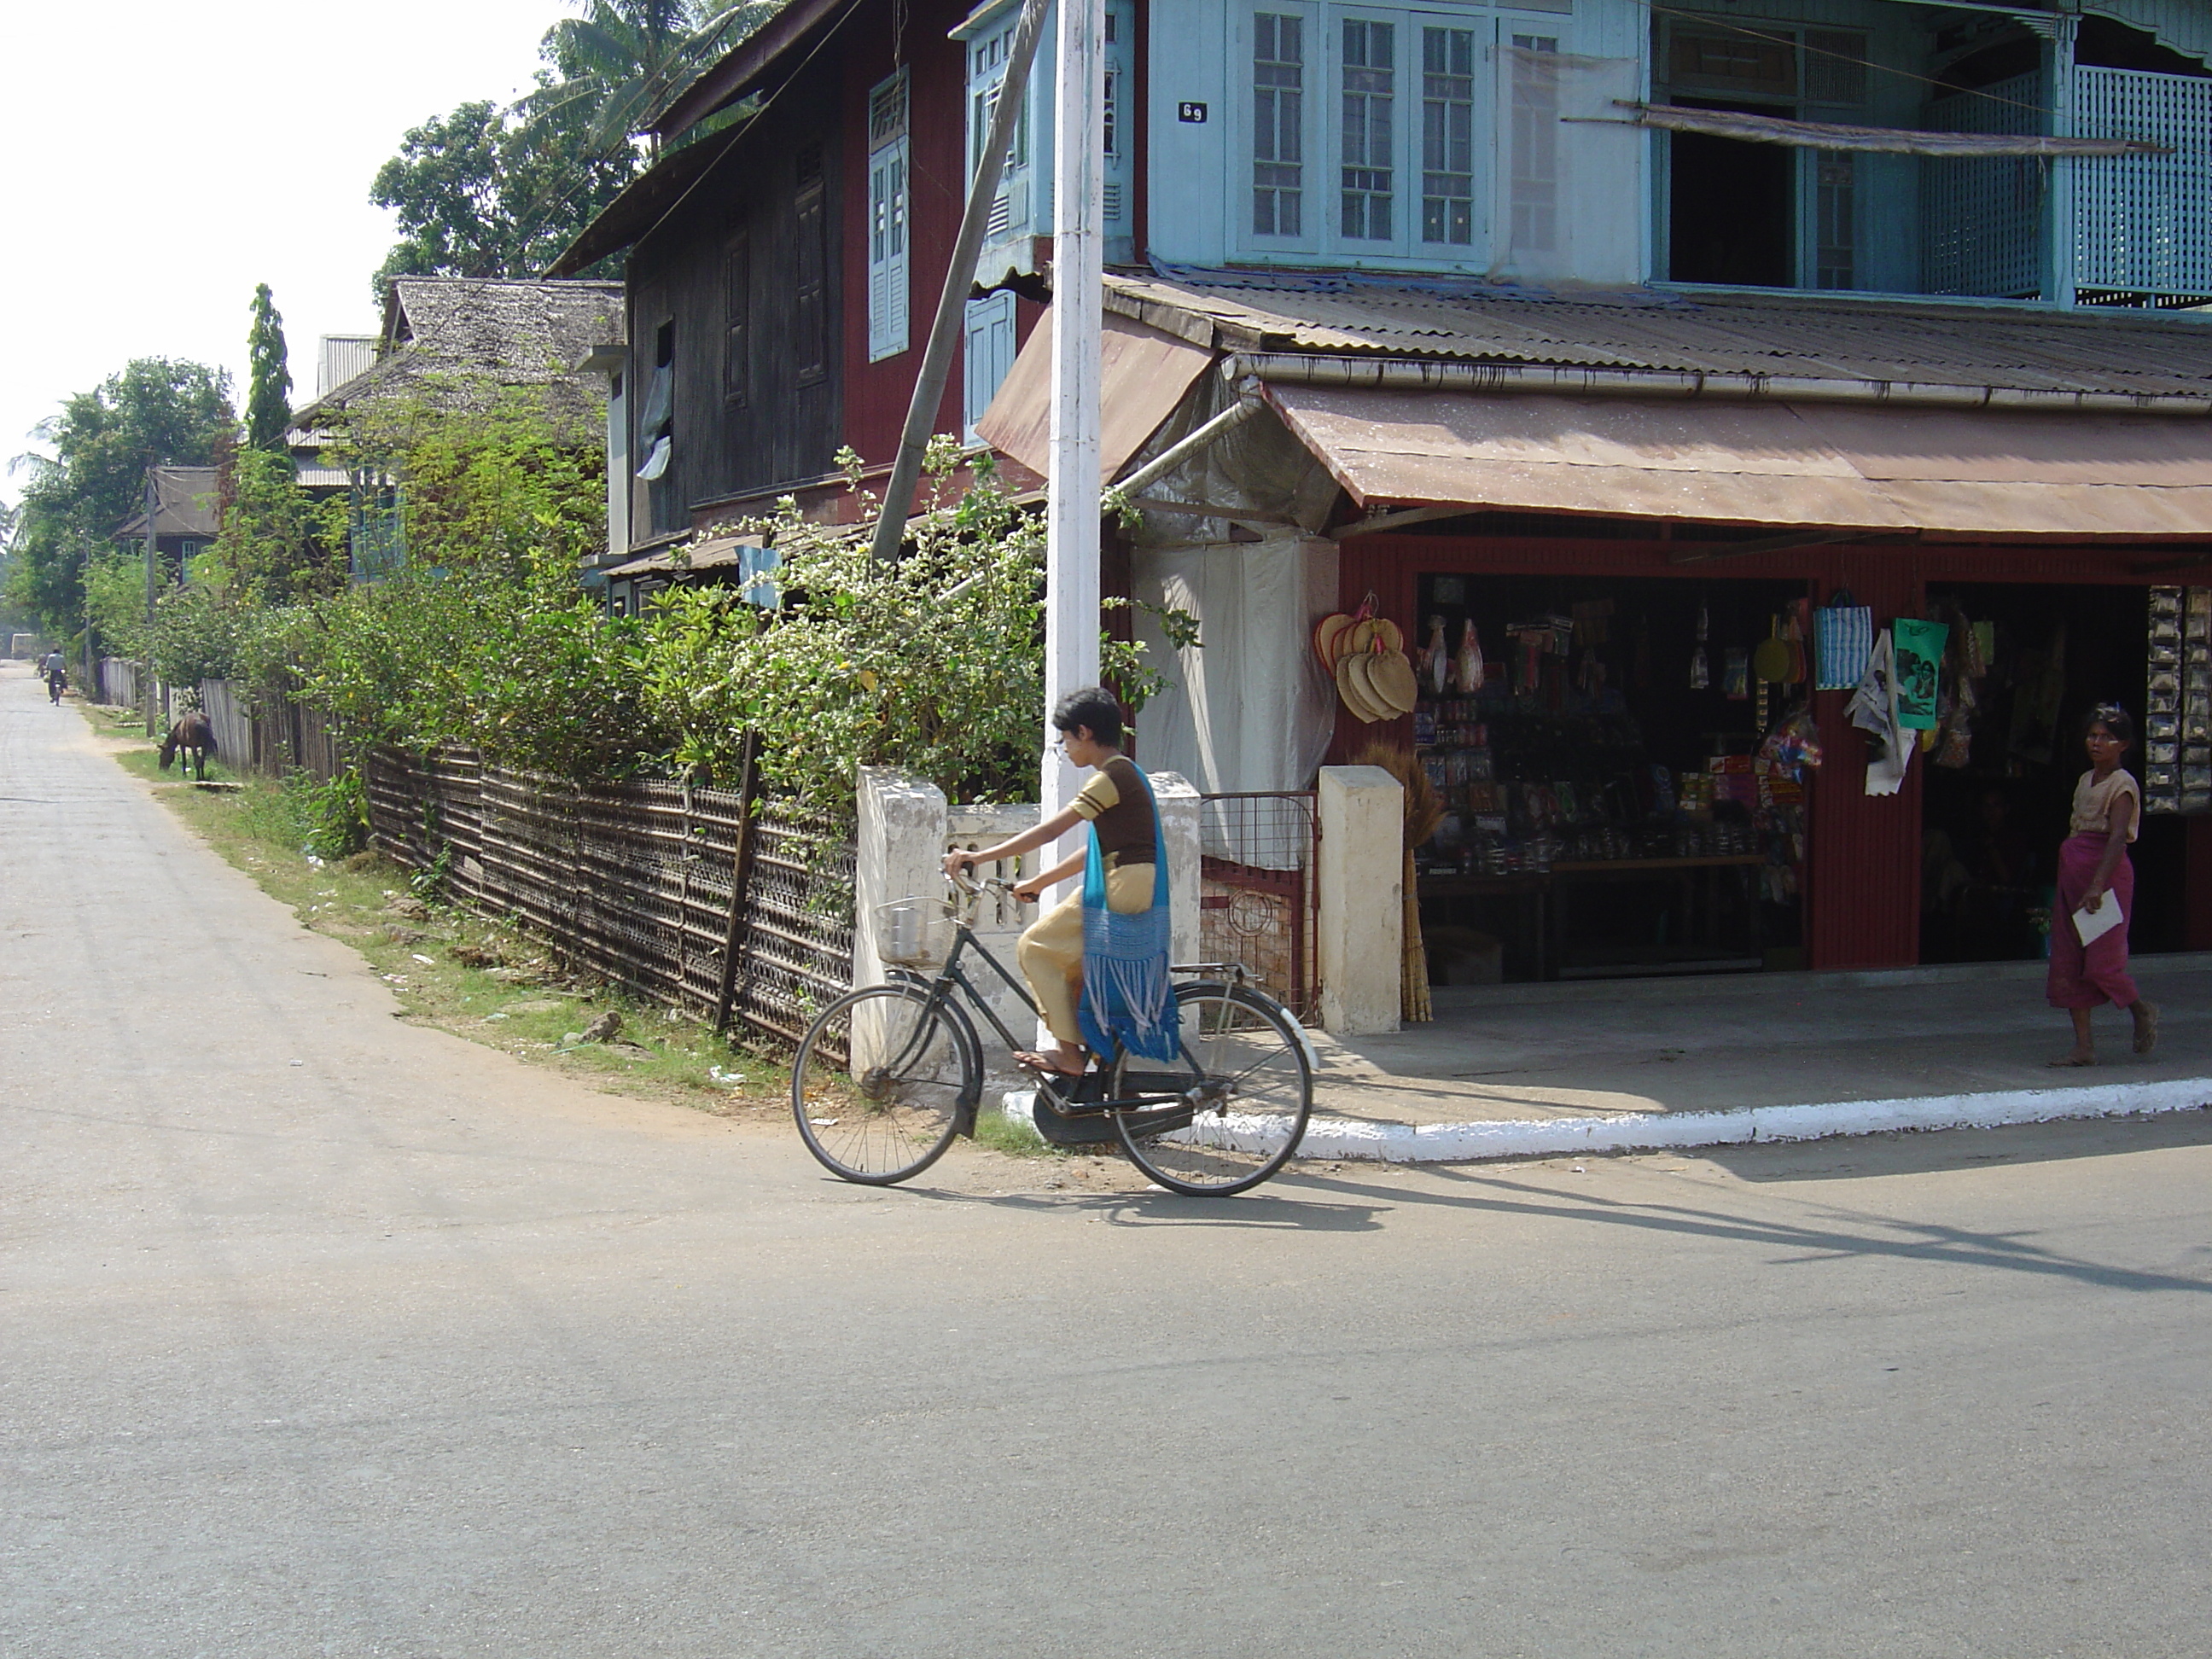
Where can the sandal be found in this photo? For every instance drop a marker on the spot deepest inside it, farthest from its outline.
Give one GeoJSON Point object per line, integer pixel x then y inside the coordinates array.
{"type": "Point", "coordinates": [2073, 1060]}
{"type": "Point", "coordinates": [2146, 1027]}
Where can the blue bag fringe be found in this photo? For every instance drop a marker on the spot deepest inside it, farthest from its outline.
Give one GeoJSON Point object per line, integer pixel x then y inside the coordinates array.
{"type": "Point", "coordinates": [1127, 996]}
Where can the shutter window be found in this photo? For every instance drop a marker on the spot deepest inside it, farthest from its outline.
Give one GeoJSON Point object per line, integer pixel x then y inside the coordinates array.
{"type": "Point", "coordinates": [888, 264]}
{"type": "Point", "coordinates": [989, 357]}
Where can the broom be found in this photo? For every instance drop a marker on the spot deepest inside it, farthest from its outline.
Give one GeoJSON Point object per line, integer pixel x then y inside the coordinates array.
{"type": "Point", "coordinates": [1424, 809]}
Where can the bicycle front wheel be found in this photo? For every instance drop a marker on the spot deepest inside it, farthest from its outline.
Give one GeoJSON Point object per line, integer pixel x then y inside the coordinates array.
{"type": "Point", "coordinates": [1249, 1059]}
{"type": "Point", "coordinates": [880, 1084]}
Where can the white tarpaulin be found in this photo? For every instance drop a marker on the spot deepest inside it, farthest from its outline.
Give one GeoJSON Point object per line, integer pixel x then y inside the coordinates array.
{"type": "Point", "coordinates": [1248, 708]}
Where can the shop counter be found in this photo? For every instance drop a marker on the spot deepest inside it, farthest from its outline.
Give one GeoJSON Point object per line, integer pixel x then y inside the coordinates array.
{"type": "Point", "coordinates": [1548, 896]}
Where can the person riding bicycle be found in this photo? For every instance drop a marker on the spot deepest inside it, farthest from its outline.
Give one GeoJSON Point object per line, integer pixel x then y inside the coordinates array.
{"type": "Point", "coordinates": [54, 671]}
{"type": "Point", "coordinates": [1117, 803]}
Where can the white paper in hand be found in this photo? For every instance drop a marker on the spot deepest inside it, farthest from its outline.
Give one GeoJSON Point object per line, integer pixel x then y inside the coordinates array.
{"type": "Point", "coordinates": [2090, 925]}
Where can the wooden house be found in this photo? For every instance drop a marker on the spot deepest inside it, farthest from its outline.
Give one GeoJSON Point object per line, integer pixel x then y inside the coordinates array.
{"type": "Point", "coordinates": [1616, 340]}
{"type": "Point", "coordinates": [187, 514]}
{"type": "Point", "coordinates": [459, 343]}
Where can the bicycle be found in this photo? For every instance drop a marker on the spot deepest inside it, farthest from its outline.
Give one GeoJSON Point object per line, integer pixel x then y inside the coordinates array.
{"type": "Point", "coordinates": [888, 1077]}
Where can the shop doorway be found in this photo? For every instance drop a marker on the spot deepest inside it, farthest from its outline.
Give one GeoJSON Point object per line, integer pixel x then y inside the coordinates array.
{"type": "Point", "coordinates": [1604, 811]}
{"type": "Point", "coordinates": [2000, 780]}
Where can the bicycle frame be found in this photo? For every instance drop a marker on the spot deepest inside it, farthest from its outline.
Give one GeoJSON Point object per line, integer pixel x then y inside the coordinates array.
{"type": "Point", "coordinates": [1170, 1095]}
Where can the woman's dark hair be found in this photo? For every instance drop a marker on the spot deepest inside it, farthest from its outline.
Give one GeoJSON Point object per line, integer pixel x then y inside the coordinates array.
{"type": "Point", "coordinates": [1094, 709]}
{"type": "Point", "coordinates": [2114, 718]}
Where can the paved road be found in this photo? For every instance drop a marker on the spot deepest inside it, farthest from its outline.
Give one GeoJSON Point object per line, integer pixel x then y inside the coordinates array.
{"type": "Point", "coordinates": [407, 1350]}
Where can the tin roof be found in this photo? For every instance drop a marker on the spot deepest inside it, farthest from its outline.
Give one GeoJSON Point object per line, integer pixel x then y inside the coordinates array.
{"type": "Point", "coordinates": [457, 341]}
{"type": "Point", "coordinates": [186, 504]}
{"type": "Point", "coordinates": [1804, 336]}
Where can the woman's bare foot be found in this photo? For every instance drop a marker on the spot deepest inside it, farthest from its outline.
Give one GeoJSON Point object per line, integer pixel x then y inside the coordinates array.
{"type": "Point", "coordinates": [1055, 1064]}
{"type": "Point", "coordinates": [2146, 1013]}
{"type": "Point", "coordinates": [2076, 1057]}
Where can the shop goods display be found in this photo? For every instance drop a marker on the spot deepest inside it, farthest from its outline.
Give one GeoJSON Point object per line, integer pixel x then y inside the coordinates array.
{"type": "Point", "coordinates": [1365, 653]}
{"type": "Point", "coordinates": [2176, 732]}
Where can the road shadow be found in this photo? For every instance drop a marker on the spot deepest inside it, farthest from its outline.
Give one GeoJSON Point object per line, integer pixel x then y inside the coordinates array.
{"type": "Point", "coordinates": [1267, 1209]}
{"type": "Point", "coordinates": [1832, 1234]}
{"type": "Point", "coordinates": [1920, 1151]}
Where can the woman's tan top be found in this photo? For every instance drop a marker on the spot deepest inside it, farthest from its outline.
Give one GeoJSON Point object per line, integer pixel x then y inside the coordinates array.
{"type": "Point", "coordinates": [1119, 809]}
{"type": "Point", "coordinates": [2093, 803]}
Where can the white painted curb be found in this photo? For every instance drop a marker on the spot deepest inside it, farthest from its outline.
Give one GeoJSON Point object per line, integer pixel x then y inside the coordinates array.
{"type": "Point", "coordinates": [1456, 1143]}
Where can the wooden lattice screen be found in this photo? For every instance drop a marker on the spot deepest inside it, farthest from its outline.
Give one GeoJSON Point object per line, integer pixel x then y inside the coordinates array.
{"type": "Point", "coordinates": [738, 912]}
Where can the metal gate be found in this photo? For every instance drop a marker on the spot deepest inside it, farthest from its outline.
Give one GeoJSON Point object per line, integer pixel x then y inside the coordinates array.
{"type": "Point", "coordinates": [1258, 893]}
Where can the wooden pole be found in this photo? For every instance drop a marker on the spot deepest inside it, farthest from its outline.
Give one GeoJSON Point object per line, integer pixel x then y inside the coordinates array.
{"type": "Point", "coordinates": [741, 876]}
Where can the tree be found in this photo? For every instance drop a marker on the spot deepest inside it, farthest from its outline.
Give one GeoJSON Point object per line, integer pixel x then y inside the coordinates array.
{"type": "Point", "coordinates": [268, 399]}
{"type": "Point", "coordinates": [155, 411]}
{"type": "Point", "coordinates": [620, 62]}
{"type": "Point", "coordinates": [490, 192]}
{"type": "Point", "coordinates": [477, 196]}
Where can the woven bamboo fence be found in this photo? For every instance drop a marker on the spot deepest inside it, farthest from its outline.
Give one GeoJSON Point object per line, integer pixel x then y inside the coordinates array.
{"type": "Point", "coordinates": [735, 909]}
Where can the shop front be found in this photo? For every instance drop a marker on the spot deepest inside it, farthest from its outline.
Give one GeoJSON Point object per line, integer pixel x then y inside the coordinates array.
{"type": "Point", "coordinates": [1636, 771]}
{"type": "Point", "coordinates": [1644, 557]}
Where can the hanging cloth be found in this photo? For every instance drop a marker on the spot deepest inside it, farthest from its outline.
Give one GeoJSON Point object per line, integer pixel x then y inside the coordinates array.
{"type": "Point", "coordinates": [1843, 638]}
{"type": "Point", "coordinates": [1128, 1000]}
{"type": "Point", "coordinates": [1873, 709]}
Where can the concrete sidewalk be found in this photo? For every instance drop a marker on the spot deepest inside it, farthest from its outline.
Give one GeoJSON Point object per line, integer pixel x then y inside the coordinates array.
{"type": "Point", "coordinates": [1543, 1069]}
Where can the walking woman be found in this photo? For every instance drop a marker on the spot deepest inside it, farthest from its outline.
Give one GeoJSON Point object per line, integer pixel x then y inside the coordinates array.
{"type": "Point", "coordinates": [2094, 872]}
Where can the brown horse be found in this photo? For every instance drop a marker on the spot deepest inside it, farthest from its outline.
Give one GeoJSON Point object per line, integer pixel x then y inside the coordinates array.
{"type": "Point", "coordinates": [194, 735]}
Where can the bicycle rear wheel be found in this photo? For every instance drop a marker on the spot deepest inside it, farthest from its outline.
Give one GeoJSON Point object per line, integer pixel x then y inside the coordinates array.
{"type": "Point", "coordinates": [881, 1083]}
{"type": "Point", "coordinates": [1249, 1050]}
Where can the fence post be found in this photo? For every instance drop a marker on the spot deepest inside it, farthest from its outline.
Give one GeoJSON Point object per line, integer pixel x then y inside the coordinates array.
{"type": "Point", "coordinates": [1363, 856]}
{"type": "Point", "coordinates": [741, 875]}
{"type": "Point", "coordinates": [1177, 802]}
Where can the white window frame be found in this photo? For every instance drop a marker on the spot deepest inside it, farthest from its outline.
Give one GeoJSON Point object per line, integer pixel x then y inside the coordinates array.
{"type": "Point", "coordinates": [889, 219]}
{"type": "Point", "coordinates": [1315, 96]}
{"type": "Point", "coordinates": [1321, 234]}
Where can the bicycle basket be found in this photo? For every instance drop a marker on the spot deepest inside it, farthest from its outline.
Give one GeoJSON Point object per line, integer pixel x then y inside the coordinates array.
{"type": "Point", "coordinates": [912, 933]}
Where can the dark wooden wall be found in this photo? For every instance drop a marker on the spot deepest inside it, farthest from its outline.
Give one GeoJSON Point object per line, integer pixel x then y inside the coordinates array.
{"type": "Point", "coordinates": [877, 394]}
{"type": "Point", "coordinates": [744, 272]}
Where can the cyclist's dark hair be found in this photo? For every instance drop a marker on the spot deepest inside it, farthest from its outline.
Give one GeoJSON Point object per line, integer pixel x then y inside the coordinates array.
{"type": "Point", "coordinates": [1094, 709]}
{"type": "Point", "coordinates": [2115, 720]}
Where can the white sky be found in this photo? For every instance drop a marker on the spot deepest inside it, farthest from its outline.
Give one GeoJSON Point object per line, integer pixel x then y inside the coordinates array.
{"type": "Point", "coordinates": [162, 159]}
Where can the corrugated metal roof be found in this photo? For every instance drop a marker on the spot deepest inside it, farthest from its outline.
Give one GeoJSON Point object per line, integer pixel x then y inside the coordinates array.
{"type": "Point", "coordinates": [1810, 337]}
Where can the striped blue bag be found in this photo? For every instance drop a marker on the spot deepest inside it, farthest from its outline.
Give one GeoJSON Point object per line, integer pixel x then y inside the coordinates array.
{"type": "Point", "coordinates": [1843, 642]}
{"type": "Point", "coordinates": [1127, 996]}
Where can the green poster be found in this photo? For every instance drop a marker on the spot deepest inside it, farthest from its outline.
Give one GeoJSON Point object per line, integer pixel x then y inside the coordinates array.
{"type": "Point", "coordinates": [1919, 647]}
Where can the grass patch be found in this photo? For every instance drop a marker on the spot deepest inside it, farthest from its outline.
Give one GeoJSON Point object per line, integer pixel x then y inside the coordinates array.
{"type": "Point", "coordinates": [475, 976]}
{"type": "Point", "coordinates": [1012, 1137]}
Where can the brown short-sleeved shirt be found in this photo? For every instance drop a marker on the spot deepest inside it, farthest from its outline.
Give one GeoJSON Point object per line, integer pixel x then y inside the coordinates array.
{"type": "Point", "coordinates": [2093, 803]}
{"type": "Point", "coordinates": [1119, 808]}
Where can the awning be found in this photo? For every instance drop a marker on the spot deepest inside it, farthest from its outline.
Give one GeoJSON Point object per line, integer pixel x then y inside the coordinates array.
{"type": "Point", "coordinates": [721, 553]}
{"type": "Point", "coordinates": [1894, 141]}
{"type": "Point", "coordinates": [1951, 472]}
{"type": "Point", "coordinates": [1146, 373]}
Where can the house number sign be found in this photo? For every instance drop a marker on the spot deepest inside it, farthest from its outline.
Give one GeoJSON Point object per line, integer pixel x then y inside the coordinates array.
{"type": "Point", "coordinates": [1193, 113]}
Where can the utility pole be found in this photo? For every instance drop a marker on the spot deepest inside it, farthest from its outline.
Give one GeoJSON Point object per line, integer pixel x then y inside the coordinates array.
{"type": "Point", "coordinates": [1071, 635]}
{"type": "Point", "coordinates": [153, 555]}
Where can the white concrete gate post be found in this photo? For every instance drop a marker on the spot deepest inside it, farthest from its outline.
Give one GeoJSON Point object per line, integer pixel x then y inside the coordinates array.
{"type": "Point", "coordinates": [1363, 918]}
